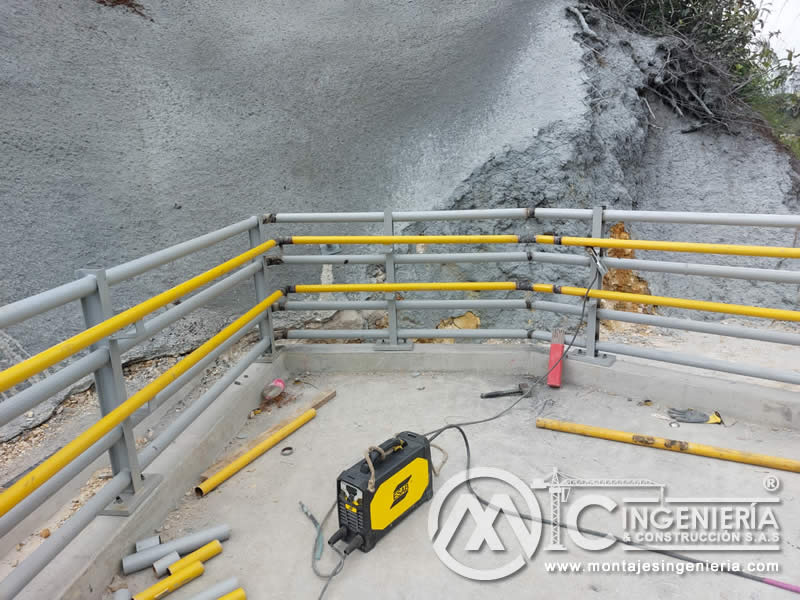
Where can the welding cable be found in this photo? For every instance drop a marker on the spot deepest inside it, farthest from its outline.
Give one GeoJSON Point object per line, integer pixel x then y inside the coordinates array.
{"type": "Point", "coordinates": [432, 435]}
{"type": "Point", "coordinates": [318, 544]}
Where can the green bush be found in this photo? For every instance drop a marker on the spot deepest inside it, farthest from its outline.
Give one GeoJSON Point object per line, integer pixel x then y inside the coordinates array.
{"type": "Point", "coordinates": [719, 47]}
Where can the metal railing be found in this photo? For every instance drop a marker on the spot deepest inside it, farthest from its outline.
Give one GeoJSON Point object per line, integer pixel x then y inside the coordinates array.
{"type": "Point", "coordinates": [106, 344]}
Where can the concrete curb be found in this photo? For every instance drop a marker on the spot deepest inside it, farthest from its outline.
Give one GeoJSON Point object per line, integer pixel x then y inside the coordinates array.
{"type": "Point", "coordinates": [735, 397]}
{"type": "Point", "coordinates": [84, 569]}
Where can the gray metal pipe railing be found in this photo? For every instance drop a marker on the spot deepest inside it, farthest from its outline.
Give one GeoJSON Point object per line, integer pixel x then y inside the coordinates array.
{"type": "Point", "coordinates": [688, 360]}
{"type": "Point", "coordinates": [701, 362]}
{"type": "Point", "coordinates": [685, 218]}
{"type": "Point", "coordinates": [581, 214]}
{"type": "Point", "coordinates": [405, 216]}
{"type": "Point", "coordinates": [21, 511]}
{"type": "Point", "coordinates": [18, 311]}
{"type": "Point", "coordinates": [138, 266]}
{"type": "Point", "coordinates": [46, 388]}
{"type": "Point", "coordinates": [634, 264]}
{"type": "Point", "coordinates": [162, 320]}
{"type": "Point", "coordinates": [751, 333]}
{"type": "Point", "coordinates": [61, 537]}
{"type": "Point", "coordinates": [150, 452]}
{"type": "Point", "coordinates": [25, 400]}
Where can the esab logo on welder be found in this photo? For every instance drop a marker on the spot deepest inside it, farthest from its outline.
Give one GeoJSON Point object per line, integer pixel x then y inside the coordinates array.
{"type": "Point", "coordinates": [378, 492]}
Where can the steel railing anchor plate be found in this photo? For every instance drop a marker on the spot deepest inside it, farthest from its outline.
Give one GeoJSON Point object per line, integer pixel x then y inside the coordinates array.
{"type": "Point", "coordinates": [127, 502]}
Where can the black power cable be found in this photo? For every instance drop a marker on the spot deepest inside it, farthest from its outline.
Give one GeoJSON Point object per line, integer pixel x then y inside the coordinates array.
{"type": "Point", "coordinates": [432, 435]}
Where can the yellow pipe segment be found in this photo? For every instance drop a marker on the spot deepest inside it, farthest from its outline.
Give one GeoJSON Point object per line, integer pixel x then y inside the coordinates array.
{"type": "Point", "coordinates": [52, 465]}
{"type": "Point", "coordinates": [777, 314]}
{"type": "Point", "coordinates": [768, 251]}
{"type": "Point", "coordinates": [405, 239]}
{"type": "Point", "coordinates": [237, 594]}
{"type": "Point", "coordinates": [750, 458]}
{"type": "Point", "coordinates": [55, 354]}
{"type": "Point", "coordinates": [466, 286]}
{"type": "Point", "coordinates": [245, 459]}
{"type": "Point", "coordinates": [171, 583]}
{"type": "Point", "coordinates": [548, 288]}
{"type": "Point", "coordinates": [202, 554]}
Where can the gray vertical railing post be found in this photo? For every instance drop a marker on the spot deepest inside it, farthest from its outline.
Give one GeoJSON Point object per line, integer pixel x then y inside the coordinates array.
{"type": "Point", "coordinates": [392, 342]}
{"type": "Point", "coordinates": [592, 322]}
{"type": "Point", "coordinates": [108, 379]}
{"type": "Point", "coordinates": [260, 282]}
{"type": "Point", "coordinates": [391, 309]}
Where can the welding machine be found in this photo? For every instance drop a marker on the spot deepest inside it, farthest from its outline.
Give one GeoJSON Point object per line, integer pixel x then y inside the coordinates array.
{"type": "Point", "coordinates": [378, 492]}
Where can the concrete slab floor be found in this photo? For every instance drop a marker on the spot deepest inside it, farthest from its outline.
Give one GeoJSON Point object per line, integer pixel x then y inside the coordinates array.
{"type": "Point", "coordinates": [271, 546]}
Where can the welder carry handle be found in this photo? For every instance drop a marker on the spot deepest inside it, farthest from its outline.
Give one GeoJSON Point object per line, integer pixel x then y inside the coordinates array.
{"type": "Point", "coordinates": [379, 453]}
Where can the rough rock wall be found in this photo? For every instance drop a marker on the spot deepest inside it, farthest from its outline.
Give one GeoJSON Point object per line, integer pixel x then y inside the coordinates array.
{"type": "Point", "coordinates": [628, 151]}
{"type": "Point", "coordinates": [121, 134]}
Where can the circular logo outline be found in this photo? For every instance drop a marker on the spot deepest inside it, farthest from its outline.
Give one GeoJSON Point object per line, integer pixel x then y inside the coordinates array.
{"type": "Point", "coordinates": [440, 545]}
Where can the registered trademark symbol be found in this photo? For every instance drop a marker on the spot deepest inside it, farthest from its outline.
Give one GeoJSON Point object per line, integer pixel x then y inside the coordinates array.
{"type": "Point", "coordinates": [771, 483]}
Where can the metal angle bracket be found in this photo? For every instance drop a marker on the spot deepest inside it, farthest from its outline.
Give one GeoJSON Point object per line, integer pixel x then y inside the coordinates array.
{"type": "Point", "coordinates": [127, 502]}
{"type": "Point", "coordinates": [602, 359]}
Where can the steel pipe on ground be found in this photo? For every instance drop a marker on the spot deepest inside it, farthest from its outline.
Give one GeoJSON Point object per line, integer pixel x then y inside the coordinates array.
{"type": "Point", "coordinates": [218, 590]}
{"type": "Point", "coordinates": [184, 545]}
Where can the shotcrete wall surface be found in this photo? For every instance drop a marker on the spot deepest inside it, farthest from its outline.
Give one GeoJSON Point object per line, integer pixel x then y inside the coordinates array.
{"type": "Point", "coordinates": [122, 133]}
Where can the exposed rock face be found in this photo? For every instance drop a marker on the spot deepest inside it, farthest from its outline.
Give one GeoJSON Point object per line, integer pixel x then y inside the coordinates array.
{"type": "Point", "coordinates": [120, 135]}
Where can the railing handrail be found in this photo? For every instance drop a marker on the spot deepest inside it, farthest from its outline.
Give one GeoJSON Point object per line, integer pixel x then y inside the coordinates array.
{"type": "Point", "coordinates": [16, 502]}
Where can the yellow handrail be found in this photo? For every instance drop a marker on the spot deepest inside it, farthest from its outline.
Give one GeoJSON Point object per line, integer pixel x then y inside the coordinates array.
{"type": "Point", "coordinates": [549, 288]}
{"type": "Point", "coordinates": [466, 286]}
{"type": "Point", "coordinates": [700, 248]}
{"type": "Point", "coordinates": [47, 358]}
{"type": "Point", "coordinates": [52, 465]}
{"type": "Point", "coordinates": [404, 239]}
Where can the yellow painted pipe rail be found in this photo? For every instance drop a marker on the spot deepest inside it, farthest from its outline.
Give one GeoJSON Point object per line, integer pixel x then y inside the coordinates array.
{"type": "Point", "coordinates": [245, 459]}
{"type": "Point", "coordinates": [52, 465]}
{"type": "Point", "coordinates": [750, 458]}
{"type": "Point", "coordinates": [699, 248]}
{"type": "Point", "coordinates": [777, 314]}
{"type": "Point", "coordinates": [201, 555]}
{"type": "Point", "coordinates": [55, 354]}
{"type": "Point", "coordinates": [237, 594]}
{"type": "Point", "coordinates": [171, 583]}
{"type": "Point", "coordinates": [411, 286]}
{"type": "Point", "coordinates": [548, 288]}
{"type": "Point", "coordinates": [403, 239]}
